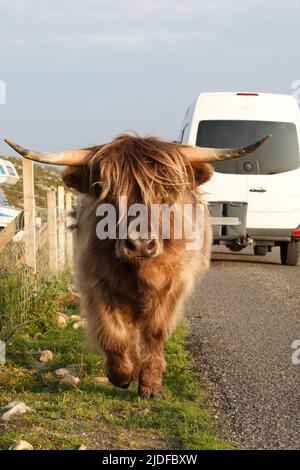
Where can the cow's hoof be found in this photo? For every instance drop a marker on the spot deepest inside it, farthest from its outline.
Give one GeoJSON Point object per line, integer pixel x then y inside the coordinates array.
{"type": "Point", "coordinates": [150, 392]}
{"type": "Point", "coordinates": [120, 380]}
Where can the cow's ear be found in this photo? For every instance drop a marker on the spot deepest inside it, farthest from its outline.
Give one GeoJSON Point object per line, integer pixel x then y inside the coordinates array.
{"type": "Point", "coordinates": [203, 172]}
{"type": "Point", "coordinates": [77, 178]}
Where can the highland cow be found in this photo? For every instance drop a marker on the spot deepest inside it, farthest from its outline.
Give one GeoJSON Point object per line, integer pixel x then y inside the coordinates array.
{"type": "Point", "coordinates": [133, 288]}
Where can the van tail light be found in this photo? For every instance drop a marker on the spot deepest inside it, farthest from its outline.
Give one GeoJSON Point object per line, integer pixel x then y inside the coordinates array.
{"type": "Point", "coordinates": [296, 233]}
{"type": "Point", "coordinates": [247, 94]}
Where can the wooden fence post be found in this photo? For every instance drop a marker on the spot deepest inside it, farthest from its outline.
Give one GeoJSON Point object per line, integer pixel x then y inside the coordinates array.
{"type": "Point", "coordinates": [29, 214]}
{"type": "Point", "coordinates": [52, 232]}
{"type": "Point", "coordinates": [69, 235]}
{"type": "Point", "coordinates": [61, 228]}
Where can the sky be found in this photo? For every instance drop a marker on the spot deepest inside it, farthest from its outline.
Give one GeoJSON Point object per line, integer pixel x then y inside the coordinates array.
{"type": "Point", "coordinates": [78, 72]}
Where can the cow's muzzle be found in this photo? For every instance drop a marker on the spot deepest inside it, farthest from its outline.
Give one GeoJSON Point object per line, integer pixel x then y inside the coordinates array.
{"type": "Point", "coordinates": [134, 248]}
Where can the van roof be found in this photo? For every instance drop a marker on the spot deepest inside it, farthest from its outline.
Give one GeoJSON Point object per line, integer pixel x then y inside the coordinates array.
{"type": "Point", "coordinates": [228, 106]}
{"type": "Point", "coordinates": [267, 97]}
{"type": "Point", "coordinates": [241, 92]}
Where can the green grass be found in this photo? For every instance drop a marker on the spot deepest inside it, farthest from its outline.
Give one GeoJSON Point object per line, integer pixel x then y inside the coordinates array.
{"type": "Point", "coordinates": [36, 305]}
{"type": "Point", "coordinates": [99, 416]}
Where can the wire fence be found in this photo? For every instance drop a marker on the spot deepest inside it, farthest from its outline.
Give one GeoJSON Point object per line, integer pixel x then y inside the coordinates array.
{"type": "Point", "coordinates": [35, 248]}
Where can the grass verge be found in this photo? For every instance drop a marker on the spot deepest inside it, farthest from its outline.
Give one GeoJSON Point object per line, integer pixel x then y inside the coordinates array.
{"type": "Point", "coordinates": [97, 414]}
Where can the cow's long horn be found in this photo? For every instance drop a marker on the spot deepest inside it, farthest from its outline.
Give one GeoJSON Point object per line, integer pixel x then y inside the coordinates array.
{"type": "Point", "coordinates": [68, 157]}
{"type": "Point", "coordinates": [207, 155]}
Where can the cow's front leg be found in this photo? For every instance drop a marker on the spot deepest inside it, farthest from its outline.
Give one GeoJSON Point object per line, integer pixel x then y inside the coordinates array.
{"type": "Point", "coordinates": [119, 369]}
{"type": "Point", "coordinates": [113, 332]}
{"type": "Point", "coordinates": [153, 366]}
{"type": "Point", "coordinates": [156, 313]}
{"type": "Point", "coordinates": [122, 367]}
{"type": "Point", "coordinates": [158, 300]}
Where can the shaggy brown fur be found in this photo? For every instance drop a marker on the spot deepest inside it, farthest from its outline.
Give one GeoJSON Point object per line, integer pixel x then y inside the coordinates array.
{"type": "Point", "coordinates": [132, 305]}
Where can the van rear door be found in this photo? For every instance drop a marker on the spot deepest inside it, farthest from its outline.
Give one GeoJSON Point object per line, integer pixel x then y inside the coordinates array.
{"type": "Point", "coordinates": [229, 183]}
{"type": "Point", "coordinates": [273, 185]}
{"type": "Point", "coordinates": [268, 179]}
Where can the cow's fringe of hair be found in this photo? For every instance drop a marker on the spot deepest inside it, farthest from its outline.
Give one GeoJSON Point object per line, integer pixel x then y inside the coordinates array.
{"type": "Point", "coordinates": [153, 165]}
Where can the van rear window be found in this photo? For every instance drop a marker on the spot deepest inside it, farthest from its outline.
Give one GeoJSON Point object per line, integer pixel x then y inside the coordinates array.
{"type": "Point", "coordinates": [278, 155]}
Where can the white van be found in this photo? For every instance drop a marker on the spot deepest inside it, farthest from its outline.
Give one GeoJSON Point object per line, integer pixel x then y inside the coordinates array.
{"type": "Point", "coordinates": [264, 187]}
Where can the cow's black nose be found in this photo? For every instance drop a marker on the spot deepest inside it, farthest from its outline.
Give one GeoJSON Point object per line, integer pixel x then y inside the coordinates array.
{"type": "Point", "coordinates": [140, 247]}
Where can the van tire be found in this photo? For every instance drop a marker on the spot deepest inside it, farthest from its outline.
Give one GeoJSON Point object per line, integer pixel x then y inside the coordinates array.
{"type": "Point", "coordinates": [260, 250]}
{"type": "Point", "coordinates": [290, 253]}
{"type": "Point", "coordinates": [235, 248]}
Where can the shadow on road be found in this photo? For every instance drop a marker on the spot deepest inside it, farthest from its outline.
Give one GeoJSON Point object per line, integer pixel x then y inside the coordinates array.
{"type": "Point", "coordinates": [247, 256]}
{"type": "Point", "coordinates": [243, 259]}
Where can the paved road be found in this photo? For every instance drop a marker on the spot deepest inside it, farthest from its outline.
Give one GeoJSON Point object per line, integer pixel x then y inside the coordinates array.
{"type": "Point", "coordinates": [244, 319]}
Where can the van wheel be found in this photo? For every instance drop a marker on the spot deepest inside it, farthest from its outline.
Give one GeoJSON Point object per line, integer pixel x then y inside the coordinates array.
{"type": "Point", "coordinates": [260, 250]}
{"type": "Point", "coordinates": [290, 253]}
{"type": "Point", "coordinates": [235, 247]}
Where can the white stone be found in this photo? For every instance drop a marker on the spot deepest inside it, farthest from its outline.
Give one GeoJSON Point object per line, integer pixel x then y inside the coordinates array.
{"type": "Point", "coordinates": [46, 356]}
{"type": "Point", "coordinates": [14, 408]}
{"type": "Point", "coordinates": [62, 320]}
{"type": "Point", "coordinates": [79, 324]}
{"type": "Point", "coordinates": [23, 445]}
{"type": "Point", "coordinates": [70, 380]}
{"type": "Point", "coordinates": [62, 372]}
{"type": "Point", "coordinates": [75, 318]}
